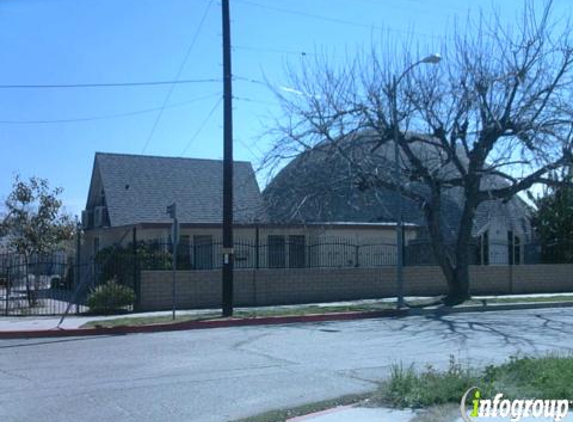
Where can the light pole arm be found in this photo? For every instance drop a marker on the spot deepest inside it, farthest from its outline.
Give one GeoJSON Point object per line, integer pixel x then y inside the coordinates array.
{"type": "Point", "coordinates": [433, 59]}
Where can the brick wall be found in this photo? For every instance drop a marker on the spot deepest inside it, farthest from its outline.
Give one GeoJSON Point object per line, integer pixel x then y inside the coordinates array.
{"type": "Point", "coordinates": [202, 289]}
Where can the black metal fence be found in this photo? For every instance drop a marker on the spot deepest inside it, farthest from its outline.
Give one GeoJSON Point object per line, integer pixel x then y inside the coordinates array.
{"type": "Point", "coordinates": [57, 283]}
{"type": "Point", "coordinates": [35, 285]}
{"type": "Point", "coordinates": [298, 252]}
{"type": "Point", "coordinates": [278, 252]}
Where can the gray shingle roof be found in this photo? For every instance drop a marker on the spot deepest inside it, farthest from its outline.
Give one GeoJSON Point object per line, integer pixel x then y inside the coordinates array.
{"type": "Point", "coordinates": [320, 185]}
{"type": "Point", "coordinates": [138, 188]}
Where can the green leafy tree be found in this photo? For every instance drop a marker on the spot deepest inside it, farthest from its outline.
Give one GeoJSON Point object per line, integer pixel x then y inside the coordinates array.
{"type": "Point", "coordinates": [34, 223]}
{"type": "Point", "coordinates": [553, 222]}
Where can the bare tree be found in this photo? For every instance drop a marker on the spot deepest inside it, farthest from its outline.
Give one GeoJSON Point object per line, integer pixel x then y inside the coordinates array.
{"type": "Point", "coordinates": [491, 120]}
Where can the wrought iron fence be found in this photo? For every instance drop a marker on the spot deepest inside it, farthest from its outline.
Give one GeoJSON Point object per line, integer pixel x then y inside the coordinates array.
{"type": "Point", "coordinates": [35, 285]}
{"type": "Point", "coordinates": [54, 284]}
{"type": "Point", "coordinates": [298, 252]}
{"type": "Point", "coordinates": [278, 252]}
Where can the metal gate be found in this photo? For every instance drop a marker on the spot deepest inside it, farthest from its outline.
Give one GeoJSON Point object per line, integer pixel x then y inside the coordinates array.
{"type": "Point", "coordinates": [39, 285]}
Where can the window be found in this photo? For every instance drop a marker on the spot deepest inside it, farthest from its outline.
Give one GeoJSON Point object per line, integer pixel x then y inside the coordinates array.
{"type": "Point", "coordinates": [96, 245]}
{"type": "Point", "coordinates": [483, 251]}
{"type": "Point", "coordinates": [183, 253]}
{"type": "Point", "coordinates": [513, 248]}
{"type": "Point", "coordinates": [276, 250]}
{"type": "Point", "coordinates": [296, 251]}
{"type": "Point", "coordinates": [203, 252]}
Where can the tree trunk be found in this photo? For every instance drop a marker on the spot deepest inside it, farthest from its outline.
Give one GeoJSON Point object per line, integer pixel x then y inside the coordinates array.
{"type": "Point", "coordinates": [459, 282]}
{"type": "Point", "coordinates": [455, 266]}
{"type": "Point", "coordinates": [458, 286]}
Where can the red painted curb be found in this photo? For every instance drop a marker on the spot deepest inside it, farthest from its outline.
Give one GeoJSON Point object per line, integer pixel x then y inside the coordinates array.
{"type": "Point", "coordinates": [197, 325]}
{"type": "Point", "coordinates": [341, 316]}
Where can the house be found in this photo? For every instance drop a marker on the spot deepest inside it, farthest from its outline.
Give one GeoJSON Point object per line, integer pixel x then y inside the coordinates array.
{"type": "Point", "coordinates": [320, 185]}
{"type": "Point", "coordinates": [128, 196]}
{"type": "Point", "coordinates": [335, 243]}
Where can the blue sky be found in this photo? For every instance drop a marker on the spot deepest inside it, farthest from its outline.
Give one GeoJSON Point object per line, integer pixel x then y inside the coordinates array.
{"type": "Point", "coordinates": [104, 41]}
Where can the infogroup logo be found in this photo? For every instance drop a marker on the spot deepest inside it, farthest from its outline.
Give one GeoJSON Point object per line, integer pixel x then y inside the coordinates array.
{"type": "Point", "coordinates": [515, 410]}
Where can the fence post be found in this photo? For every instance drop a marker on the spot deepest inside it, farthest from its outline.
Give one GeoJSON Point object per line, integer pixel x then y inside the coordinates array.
{"type": "Point", "coordinates": [356, 255]}
{"type": "Point", "coordinates": [77, 263]}
{"type": "Point", "coordinates": [136, 286]}
{"type": "Point", "coordinates": [7, 290]}
{"type": "Point", "coordinates": [257, 258]}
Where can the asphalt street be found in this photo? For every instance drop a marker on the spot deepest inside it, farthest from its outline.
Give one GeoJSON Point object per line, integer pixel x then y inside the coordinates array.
{"type": "Point", "coordinates": [223, 374]}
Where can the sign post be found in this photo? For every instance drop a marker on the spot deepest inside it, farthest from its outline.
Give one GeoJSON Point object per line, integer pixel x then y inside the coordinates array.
{"type": "Point", "coordinates": [172, 212]}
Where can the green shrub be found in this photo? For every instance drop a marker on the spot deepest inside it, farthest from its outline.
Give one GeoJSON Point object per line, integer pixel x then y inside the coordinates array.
{"type": "Point", "coordinates": [120, 262]}
{"type": "Point", "coordinates": [409, 388]}
{"type": "Point", "coordinates": [546, 378]}
{"type": "Point", "coordinates": [110, 297]}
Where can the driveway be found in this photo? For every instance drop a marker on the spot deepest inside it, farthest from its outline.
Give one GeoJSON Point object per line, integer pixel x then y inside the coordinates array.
{"type": "Point", "coordinates": [224, 374]}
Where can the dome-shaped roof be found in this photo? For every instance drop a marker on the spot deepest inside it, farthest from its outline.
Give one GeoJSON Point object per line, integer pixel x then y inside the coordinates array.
{"type": "Point", "coordinates": [321, 185]}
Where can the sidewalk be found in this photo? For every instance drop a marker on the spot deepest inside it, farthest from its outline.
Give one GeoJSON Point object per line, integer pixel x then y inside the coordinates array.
{"type": "Point", "coordinates": [358, 414]}
{"type": "Point", "coordinates": [29, 323]}
{"type": "Point", "coordinates": [72, 321]}
{"type": "Point", "coordinates": [361, 414]}
{"type": "Point", "coordinates": [39, 326]}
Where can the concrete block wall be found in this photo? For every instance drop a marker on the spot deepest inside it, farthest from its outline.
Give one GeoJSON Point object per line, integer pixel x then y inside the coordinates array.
{"type": "Point", "coordinates": [202, 289]}
{"type": "Point", "coordinates": [548, 278]}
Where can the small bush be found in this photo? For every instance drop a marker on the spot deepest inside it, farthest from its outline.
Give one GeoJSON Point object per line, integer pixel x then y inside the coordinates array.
{"type": "Point", "coordinates": [110, 297]}
{"type": "Point", "coordinates": [409, 388]}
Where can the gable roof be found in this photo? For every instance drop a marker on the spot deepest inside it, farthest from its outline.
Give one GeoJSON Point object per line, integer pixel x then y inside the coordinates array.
{"type": "Point", "coordinates": [137, 189]}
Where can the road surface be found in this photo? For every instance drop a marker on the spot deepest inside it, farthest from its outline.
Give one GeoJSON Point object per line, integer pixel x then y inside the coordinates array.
{"type": "Point", "coordinates": [223, 374]}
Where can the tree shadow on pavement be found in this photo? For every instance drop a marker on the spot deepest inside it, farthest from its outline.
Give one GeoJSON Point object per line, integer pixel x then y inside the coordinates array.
{"type": "Point", "coordinates": [509, 328]}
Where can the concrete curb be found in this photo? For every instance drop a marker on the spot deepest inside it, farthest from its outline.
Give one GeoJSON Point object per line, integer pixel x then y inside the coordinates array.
{"type": "Point", "coordinates": [197, 325]}
{"type": "Point", "coordinates": [226, 323]}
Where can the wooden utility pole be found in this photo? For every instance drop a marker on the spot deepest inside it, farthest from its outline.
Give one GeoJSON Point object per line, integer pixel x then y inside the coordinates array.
{"type": "Point", "coordinates": [228, 251]}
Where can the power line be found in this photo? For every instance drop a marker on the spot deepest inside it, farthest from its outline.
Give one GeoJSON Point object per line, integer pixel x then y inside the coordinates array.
{"type": "Point", "coordinates": [252, 100]}
{"type": "Point", "coordinates": [330, 19]}
{"type": "Point", "coordinates": [106, 116]}
{"type": "Point", "coordinates": [247, 147]}
{"type": "Point", "coordinates": [181, 67]}
{"type": "Point", "coordinates": [308, 15]}
{"type": "Point", "coordinates": [201, 127]}
{"type": "Point", "coordinates": [418, 3]}
{"type": "Point", "coordinates": [271, 50]}
{"type": "Point", "coordinates": [168, 96]}
{"type": "Point", "coordinates": [108, 84]}
{"type": "Point", "coordinates": [246, 79]}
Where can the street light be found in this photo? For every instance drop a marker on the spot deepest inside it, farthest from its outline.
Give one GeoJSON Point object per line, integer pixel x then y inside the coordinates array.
{"type": "Point", "coordinates": [431, 59]}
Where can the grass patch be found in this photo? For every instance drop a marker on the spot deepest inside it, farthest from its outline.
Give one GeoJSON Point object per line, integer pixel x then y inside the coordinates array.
{"type": "Point", "coordinates": [548, 299]}
{"type": "Point", "coordinates": [259, 313]}
{"type": "Point", "coordinates": [438, 393]}
{"type": "Point", "coordinates": [138, 321]}
{"type": "Point", "coordinates": [521, 378]}
{"type": "Point", "coordinates": [408, 388]}
{"type": "Point", "coordinates": [543, 378]}
{"type": "Point", "coordinates": [310, 310]}
{"type": "Point", "coordinates": [496, 300]}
